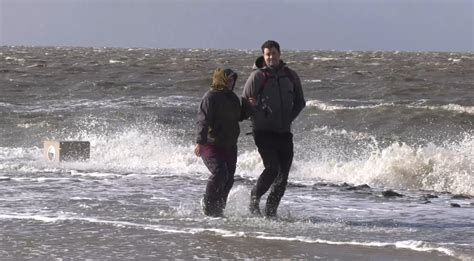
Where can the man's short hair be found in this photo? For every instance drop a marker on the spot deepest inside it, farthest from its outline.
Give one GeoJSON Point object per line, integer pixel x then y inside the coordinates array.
{"type": "Point", "coordinates": [270, 44]}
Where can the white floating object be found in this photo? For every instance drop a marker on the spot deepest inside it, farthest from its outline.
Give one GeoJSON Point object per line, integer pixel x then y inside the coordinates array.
{"type": "Point", "coordinates": [57, 151]}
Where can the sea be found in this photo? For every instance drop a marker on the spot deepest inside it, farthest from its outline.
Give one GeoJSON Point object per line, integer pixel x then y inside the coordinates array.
{"type": "Point", "coordinates": [383, 166]}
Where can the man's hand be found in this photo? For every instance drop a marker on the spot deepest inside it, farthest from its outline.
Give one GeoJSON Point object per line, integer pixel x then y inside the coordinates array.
{"type": "Point", "coordinates": [252, 101]}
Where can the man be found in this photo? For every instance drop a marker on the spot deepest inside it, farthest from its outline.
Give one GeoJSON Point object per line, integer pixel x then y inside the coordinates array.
{"type": "Point", "coordinates": [276, 93]}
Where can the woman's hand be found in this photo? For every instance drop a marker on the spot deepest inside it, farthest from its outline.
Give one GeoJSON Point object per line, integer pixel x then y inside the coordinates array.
{"type": "Point", "coordinates": [197, 150]}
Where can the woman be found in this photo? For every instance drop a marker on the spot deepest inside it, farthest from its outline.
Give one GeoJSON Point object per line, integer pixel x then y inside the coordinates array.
{"type": "Point", "coordinates": [216, 143]}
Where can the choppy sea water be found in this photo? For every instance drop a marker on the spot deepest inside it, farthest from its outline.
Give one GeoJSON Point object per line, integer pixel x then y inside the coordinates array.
{"type": "Point", "coordinates": [388, 120]}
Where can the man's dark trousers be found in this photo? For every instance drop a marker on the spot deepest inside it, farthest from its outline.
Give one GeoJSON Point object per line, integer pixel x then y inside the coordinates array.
{"type": "Point", "coordinates": [276, 151]}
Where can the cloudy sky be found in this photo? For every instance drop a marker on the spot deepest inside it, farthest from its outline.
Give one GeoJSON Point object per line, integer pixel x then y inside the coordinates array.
{"type": "Point", "coordinates": [406, 25]}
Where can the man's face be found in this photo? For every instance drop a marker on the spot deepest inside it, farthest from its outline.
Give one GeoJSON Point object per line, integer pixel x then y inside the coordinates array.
{"type": "Point", "coordinates": [271, 57]}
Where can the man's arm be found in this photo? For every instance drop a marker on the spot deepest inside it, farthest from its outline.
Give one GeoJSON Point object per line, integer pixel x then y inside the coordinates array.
{"type": "Point", "coordinates": [250, 87]}
{"type": "Point", "coordinates": [247, 108]}
{"type": "Point", "coordinates": [299, 101]}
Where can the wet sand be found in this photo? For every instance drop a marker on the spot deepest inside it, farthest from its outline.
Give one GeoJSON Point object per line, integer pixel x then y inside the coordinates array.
{"type": "Point", "coordinates": [105, 242]}
{"type": "Point", "coordinates": [230, 248]}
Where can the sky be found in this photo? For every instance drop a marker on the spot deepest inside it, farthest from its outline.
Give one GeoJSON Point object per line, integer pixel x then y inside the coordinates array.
{"type": "Point", "coordinates": [358, 25]}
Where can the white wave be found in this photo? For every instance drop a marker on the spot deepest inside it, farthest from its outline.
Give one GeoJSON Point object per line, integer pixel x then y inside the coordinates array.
{"type": "Point", "coordinates": [5, 104]}
{"type": "Point", "coordinates": [313, 81]}
{"type": "Point", "coordinates": [325, 59]}
{"type": "Point", "coordinates": [351, 135]}
{"type": "Point", "coordinates": [49, 219]}
{"type": "Point", "coordinates": [454, 60]}
{"type": "Point", "coordinates": [84, 198]}
{"type": "Point", "coordinates": [448, 107]}
{"type": "Point", "coordinates": [21, 167]}
{"type": "Point", "coordinates": [172, 101]}
{"type": "Point", "coordinates": [238, 201]}
{"type": "Point", "coordinates": [38, 179]}
{"type": "Point", "coordinates": [444, 169]}
{"type": "Point", "coordinates": [249, 164]}
{"type": "Point", "coordinates": [46, 179]}
{"type": "Point", "coordinates": [48, 106]}
{"type": "Point", "coordinates": [14, 156]}
{"type": "Point", "coordinates": [409, 244]}
{"type": "Point", "coordinates": [119, 103]}
{"type": "Point", "coordinates": [331, 107]}
{"type": "Point", "coordinates": [41, 124]}
{"type": "Point", "coordinates": [14, 59]}
{"type": "Point", "coordinates": [117, 223]}
{"type": "Point", "coordinates": [158, 152]}
{"type": "Point", "coordinates": [94, 174]}
{"type": "Point", "coordinates": [111, 61]}
{"type": "Point", "coordinates": [323, 106]}
{"type": "Point", "coordinates": [32, 217]}
{"type": "Point", "coordinates": [25, 160]}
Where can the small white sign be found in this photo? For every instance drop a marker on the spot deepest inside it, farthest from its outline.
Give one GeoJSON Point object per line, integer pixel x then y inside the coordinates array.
{"type": "Point", "coordinates": [51, 152]}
